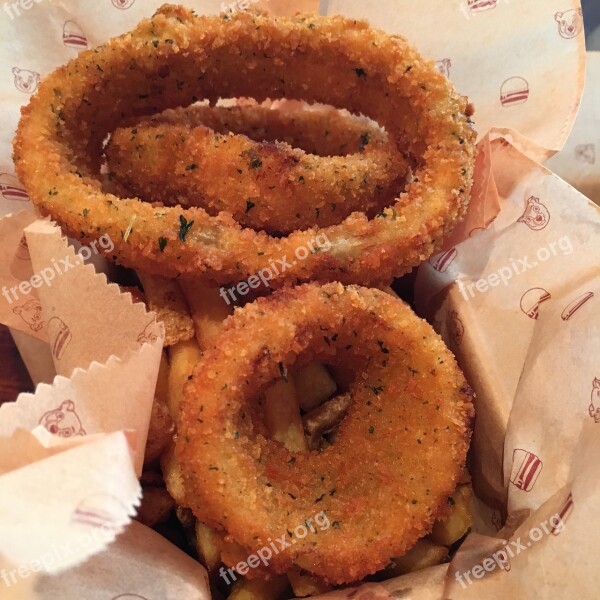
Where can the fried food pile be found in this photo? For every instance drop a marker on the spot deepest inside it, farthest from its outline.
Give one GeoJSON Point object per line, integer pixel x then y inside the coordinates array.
{"type": "Point", "coordinates": [317, 433]}
{"type": "Point", "coordinates": [176, 59]}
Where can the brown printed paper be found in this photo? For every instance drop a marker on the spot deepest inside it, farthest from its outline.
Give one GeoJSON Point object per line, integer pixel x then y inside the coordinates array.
{"type": "Point", "coordinates": [127, 570]}
{"type": "Point", "coordinates": [579, 161]}
{"type": "Point", "coordinates": [517, 303]}
{"type": "Point", "coordinates": [96, 311]}
{"type": "Point", "coordinates": [51, 520]}
{"type": "Point", "coordinates": [523, 65]}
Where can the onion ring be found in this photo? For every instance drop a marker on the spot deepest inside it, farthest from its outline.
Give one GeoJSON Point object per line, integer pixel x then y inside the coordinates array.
{"type": "Point", "coordinates": [398, 454]}
{"type": "Point", "coordinates": [185, 157]}
{"type": "Point", "coordinates": [176, 58]}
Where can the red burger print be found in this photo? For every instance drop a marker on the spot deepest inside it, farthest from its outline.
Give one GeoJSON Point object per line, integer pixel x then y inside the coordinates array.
{"type": "Point", "coordinates": [536, 216]}
{"type": "Point", "coordinates": [526, 469]}
{"type": "Point", "coordinates": [531, 300]}
{"type": "Point", "coordinates": [594, 408]}
{"type": "Point", "coordinates": [101, 510]}
{"type": "Point", "coordinates": [31, 313]}
{"type": "Point", "coordinates": [570, 23]}
{"type": "Point", "coordinates": [123, 4]}
{"type": "Point", "coordinates": [63, 421]}
{"type": "Point", "coordinates": [564, 513]}
{"type": "Point", "coordinates": [11, 188]}
{"type": "Point", "coordinates": [514, 91]}
{"type": "Point", "coordinates": [477, 6]}
{"type": "Point", "coordinates": [457, 329]}
{"type": "Point", "coordinates": [60, 337]}
{"type": "Point", "coordinates": [443, 66]}
{"type": "Point", "coordinates": [476, 231]}
{"type": "Point", "coordinates": [586, 153]}
{"type": "Point", "coordinates": [442, 262]}
{"type": "Point", "coordinates": [73, 36]}
{"type": "Point", "coordinates": [26, 81]}
{"type": "Point", "coordinates": [576, 305]}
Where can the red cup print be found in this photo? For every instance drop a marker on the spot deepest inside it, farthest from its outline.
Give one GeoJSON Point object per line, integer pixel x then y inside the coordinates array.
{"type": "Point", "coordinates": [525, 470]}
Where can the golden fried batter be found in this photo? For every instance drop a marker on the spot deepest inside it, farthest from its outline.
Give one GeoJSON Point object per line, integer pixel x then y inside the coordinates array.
{"type": "Point", "coordinates": [397, 456]}
{"type": "Point", "coordinates": [191, 157]}
{"type": "Point", "coordinates": [177, 58]}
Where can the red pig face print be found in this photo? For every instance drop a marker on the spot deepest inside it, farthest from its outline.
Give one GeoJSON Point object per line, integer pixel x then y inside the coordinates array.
{"type": "Point", "coordinates": [150, 334]}
{"type": "Point", "coordinates": [570, 23]}
{"type": "Point", "coordinates": [586, 153]}
{"type": "Point", "coordinates": [26, 81]}
{"type": "Point", "coordinates": [594, 408]}
{"type": "Point", "coordinates": [443, 66]}
{"type": "Point", "coordinates": [31, 313]}
{"type": "Point", "coordinates": [536, 215]}
{"type": "Point", "coordinates": [63, 421]}
{"type": "Point", "coordinates": [457, 329]}
{"type": "Point", "coordinates": [123, 4]}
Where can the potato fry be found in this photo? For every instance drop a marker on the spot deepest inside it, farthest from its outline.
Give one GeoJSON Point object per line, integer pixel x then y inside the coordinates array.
{"type": "Point", "coordinates": [162, 428]}
{"type": "Point", "coordinates": [160, 431]}
{"type": "Point", "coordinates": [172, 475]}
{"type": "Point", "coordinates": [184, 358]}
{"type": "Point", "coordinates": [314, 385]}
{"type": "Point", "coordinates": [164, 296]}
{"type": "Point", "coordinates": [458, 521]}
{"type": "Point", "coordinates": [258, 589]}
{"type": "Point", "coordinates": [324, 418]}
{"type": "Point", "coordinates": [282, 415]}
{"type": "Point", "coordinates": [304, 584]}
{"type": "Point", "coordinates": [188, 523]}
{"type": "Point", "coordinates": [208, 542]}
{"type": "Point", "coordinates": [424, 554]}
{"type": "Point", "coordinates": [156, 506]}
{"type": "Point", "coordinates": [208, 309]}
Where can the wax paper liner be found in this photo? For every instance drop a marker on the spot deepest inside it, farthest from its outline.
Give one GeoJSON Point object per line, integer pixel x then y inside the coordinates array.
{"type": "Point", "coordinates": [64, 490]}
{"type": "Point", "coordinates": [524, 68]}
{"type": "Point", "coordinates": [579, 161]}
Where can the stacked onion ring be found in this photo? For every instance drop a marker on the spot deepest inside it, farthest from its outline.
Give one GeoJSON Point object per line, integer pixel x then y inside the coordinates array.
{"type": "Point", "coordinates": [177, 58]}
{"type": "Point", "coordinates": [398, 453]}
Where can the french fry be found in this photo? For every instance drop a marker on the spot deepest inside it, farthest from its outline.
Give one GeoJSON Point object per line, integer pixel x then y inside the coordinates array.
{"type": "Point", "coordinates": [162, 428]}
{"type": "Point", "coordinates": [208, 543]}
{"type": "Point", "coordinates": [184, 358]}
{"type": "Point", "coordinates": [282, 415]}
{"type": "Point", "coordinates": [259, 589]}
{"type": "Point", "coordinates": [208, 309]}
{"type": "Point", "coordinates": [304, 584]}
{"type": "Point", "coordinates": [172, 475]}
{"type": "Point", "coordinates": [156, 506]}
{"type": "Point", "coordinates": [424, 554]}
{"type": "Point", "coordinates": [314, 385]}
{"type": "Point", "coordinates": [324, 418]}
{"type": "Point", "coordinates": [164, 296]}
{"type": "Point", "coordinates": [160, 431]}
{"type": "Point", "coordinates": [458, 521]}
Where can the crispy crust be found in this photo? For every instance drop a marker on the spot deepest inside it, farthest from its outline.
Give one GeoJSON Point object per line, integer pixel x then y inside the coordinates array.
{"type": "Point", "coordinates": [175, 58]}
{"type": "Point", "coordinates": [398, 454]}
{"type": "Point", "coordinates": [228, 159]}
